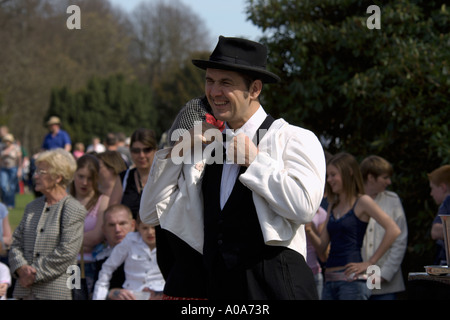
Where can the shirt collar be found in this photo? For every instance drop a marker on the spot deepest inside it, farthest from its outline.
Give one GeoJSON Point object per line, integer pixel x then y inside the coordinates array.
{"type": "Point", "coordinates": [251, 126]}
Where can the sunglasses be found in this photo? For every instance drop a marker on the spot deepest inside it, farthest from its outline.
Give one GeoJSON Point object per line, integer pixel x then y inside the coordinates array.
{"type": "Point", "coordinates": [139, 150]}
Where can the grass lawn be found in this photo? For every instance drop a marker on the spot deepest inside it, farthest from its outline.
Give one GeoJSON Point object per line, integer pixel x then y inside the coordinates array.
{"type": "Point", "coordinates": [15, 215]}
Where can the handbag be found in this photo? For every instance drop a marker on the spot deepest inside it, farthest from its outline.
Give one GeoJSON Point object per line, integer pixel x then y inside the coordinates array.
{"type": "Point", "coordinates": [83, 292]}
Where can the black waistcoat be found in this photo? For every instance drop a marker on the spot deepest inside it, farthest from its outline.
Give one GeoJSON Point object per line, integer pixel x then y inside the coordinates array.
{"type": "Point", "coordinates": [233, 232]}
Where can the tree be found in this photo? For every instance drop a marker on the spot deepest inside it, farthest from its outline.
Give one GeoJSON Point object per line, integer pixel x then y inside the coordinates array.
{"type": "Point", "coordinates": [187, 82]}
{"type": "Point", "coordinates": [105, 105]}
{"type": "Point", "coordinates": [39, 52]}
{"type": "Point", "coordinates": [165, 34]}
{"type": "Point", "coordinates": [367, 91]}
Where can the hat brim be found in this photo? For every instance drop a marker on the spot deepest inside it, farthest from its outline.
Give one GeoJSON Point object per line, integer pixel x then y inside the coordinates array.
{"type": "Point", "coordinates": [264, 75]}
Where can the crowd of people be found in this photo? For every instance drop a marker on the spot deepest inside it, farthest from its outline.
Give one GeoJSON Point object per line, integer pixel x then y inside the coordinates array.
{"type": "Point", "coordinates": [88, 202]}
{"type": "Point", "coordinates": [275, 218]}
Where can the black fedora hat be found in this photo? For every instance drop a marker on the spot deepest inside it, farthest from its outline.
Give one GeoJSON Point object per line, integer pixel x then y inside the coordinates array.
{"type": "Point", "coordinates": [241, 55]}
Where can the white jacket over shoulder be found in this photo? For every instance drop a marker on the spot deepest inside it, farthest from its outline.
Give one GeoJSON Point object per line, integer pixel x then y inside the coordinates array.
{"type": "Point", "coordinates": [287, 179]}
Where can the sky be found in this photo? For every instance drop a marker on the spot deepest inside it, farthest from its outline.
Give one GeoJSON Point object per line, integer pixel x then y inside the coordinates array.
{"type": "Point", "coordinates": [225, 18]}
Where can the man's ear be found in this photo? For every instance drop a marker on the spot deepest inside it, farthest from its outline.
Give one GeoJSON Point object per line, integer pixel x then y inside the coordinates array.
{"type": "Point", "coordinates": [255, 89]}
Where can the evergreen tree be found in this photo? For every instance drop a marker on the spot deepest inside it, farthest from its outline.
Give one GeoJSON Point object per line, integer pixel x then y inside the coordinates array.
{"type": "Point", "coordinates": [105, 105]}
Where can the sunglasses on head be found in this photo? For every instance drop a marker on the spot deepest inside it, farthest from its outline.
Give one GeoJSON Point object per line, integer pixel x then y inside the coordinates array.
{"type": "Point", "coordinates": [139, 150]}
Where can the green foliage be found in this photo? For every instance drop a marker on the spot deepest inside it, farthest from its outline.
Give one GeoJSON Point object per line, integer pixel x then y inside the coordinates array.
{"type": "Point", "coordinates": [177, 87]}
{"type": "Point", "coordinates": [105, 105]}
{"type": "Point", "coordinates": [382, 91]}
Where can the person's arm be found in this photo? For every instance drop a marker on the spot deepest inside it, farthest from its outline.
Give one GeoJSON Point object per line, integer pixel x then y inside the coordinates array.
{"type": "Point", "coordinates": [397, 250]}
{"type": "Point", "coordinates": [67, 142]}
{"type": "Point", "coordinates": [7, 233]}
{"type": "Point", "coordinates": [117, 257]}
{"type": "Point", "coordinates": [70, 239]}
{"type": "Point", "coordinates": [289, 173]}
{"type": "Point", "coordinates": [19, 162]}
{"type": "Point", "coordinates": [437, 231]}
{"type": "Point", "coordinates": [367, 206]}
{"type": "Point", "coordinates": [320, 241]}
{"type": "Point", "coordinates": [95, 236]}
{"type": "Point", "coordinates": [117, 192]}
{"type": "Point", "coordinates": [16, 256]}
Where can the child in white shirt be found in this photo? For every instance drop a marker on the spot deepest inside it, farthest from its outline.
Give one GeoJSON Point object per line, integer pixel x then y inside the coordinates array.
{"type": "Point", "coordinates": [138, 251]}
{"type": "Point", "coordinates": [5, 280]}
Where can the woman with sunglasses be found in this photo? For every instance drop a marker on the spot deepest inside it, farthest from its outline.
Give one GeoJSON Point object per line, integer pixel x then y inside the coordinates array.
{"type": "Point", "coordinates": [130, 183]}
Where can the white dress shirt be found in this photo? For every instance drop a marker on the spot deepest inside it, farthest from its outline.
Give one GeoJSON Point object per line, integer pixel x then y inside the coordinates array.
{"type": "Point", "coordinates": [141, 268]}
{"type": "Point", "coordinates": [230, 170]}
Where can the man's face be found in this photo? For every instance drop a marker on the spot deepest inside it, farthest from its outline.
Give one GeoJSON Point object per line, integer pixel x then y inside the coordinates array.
{"type": "Point", "coordinates": [116, 226]}
{"type": "Point", "coordinates": [53, 127]}
{"type": "Point", "coordinates": [229, 97]}
{"type": "Point", "coordinates": [438, 192]}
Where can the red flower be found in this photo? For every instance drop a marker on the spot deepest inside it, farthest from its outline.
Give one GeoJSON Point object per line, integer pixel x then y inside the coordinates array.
{"type": "Point", "coordinates": [217, 123]}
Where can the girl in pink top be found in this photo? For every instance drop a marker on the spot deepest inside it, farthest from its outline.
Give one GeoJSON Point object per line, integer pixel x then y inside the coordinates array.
{"type": "Point", "coordinates": [85, 189]}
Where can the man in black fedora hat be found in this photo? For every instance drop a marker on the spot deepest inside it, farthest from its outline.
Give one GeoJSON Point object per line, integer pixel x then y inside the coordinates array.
{"type": "Point", "coordinates": [246, 214]}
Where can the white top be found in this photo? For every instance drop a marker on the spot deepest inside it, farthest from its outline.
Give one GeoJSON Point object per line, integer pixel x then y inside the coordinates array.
{"type": "Point", "coordinates": [230, 170]}
{"type": "Point", "coordinates": [141, 267]}
{"type": "Point", "coordinates": [5, 276]}
{"type": "Point", "coordinates": [390, 262]}
{"type": "Point", "coordinates": [287, 180]}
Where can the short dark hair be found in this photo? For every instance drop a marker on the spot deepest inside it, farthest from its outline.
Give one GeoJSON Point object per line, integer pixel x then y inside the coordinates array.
{"type": "Point", "coordinates": [376, 166]}
{"type": "Point", "coordinates": [144, 135]}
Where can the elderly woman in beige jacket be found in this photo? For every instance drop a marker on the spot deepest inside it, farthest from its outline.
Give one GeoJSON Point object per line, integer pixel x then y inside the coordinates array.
{"type": "Point", "coordinates": [49, 237]}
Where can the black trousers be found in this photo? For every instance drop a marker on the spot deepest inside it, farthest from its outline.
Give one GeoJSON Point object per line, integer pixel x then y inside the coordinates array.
{"type": "Point", "coordinates": [281, 274]}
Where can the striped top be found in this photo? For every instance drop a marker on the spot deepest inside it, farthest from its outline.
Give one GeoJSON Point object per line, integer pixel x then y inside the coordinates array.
{"type": "Point", "coordinates": [49, 239]}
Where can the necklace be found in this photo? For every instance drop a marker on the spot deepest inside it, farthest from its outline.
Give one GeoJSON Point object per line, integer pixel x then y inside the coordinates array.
{"type": "Point", "coordinates": [139, 181]}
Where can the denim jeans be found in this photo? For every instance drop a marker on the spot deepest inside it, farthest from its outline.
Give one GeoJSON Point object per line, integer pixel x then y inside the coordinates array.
{"type": "Point", "coordinates": [8, 185]}
{"type": "Point", "coordinates": [318, 277]}
{"type": "Point", "coordinates": [345, 290]}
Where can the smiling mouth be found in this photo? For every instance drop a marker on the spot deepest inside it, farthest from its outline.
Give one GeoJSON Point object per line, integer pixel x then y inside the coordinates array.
{"type": "Point", "coordinates": [220, 104]}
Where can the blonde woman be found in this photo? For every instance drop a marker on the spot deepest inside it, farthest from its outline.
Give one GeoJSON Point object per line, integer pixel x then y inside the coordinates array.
{"type": "Point", "coordinates": [49, 236]}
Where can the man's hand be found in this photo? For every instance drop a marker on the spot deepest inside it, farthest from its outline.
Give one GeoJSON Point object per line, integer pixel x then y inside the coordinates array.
{"type": "Point", "coordinates": [153, 294]}
{"type": "Point", "coordinates": [3, 289]}
{"type": "Point", "coordinates": [201, 134]}
{"type": "Point", "coordinates": [242, 150]}
{"type": "Point", "coordinates": [120, 294]}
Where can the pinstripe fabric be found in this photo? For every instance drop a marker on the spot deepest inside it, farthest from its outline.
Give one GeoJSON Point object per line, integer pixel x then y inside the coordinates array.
{"type": "Point", "coordinates": [48, 239]}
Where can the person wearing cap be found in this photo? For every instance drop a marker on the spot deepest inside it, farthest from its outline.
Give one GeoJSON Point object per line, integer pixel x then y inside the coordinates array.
{"type": "Point", "coordinates": [246, 215]}
{"type": "Point", "coordinates": [10, 170]}
{"type": "Point", "coordinates": [57, 137]}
